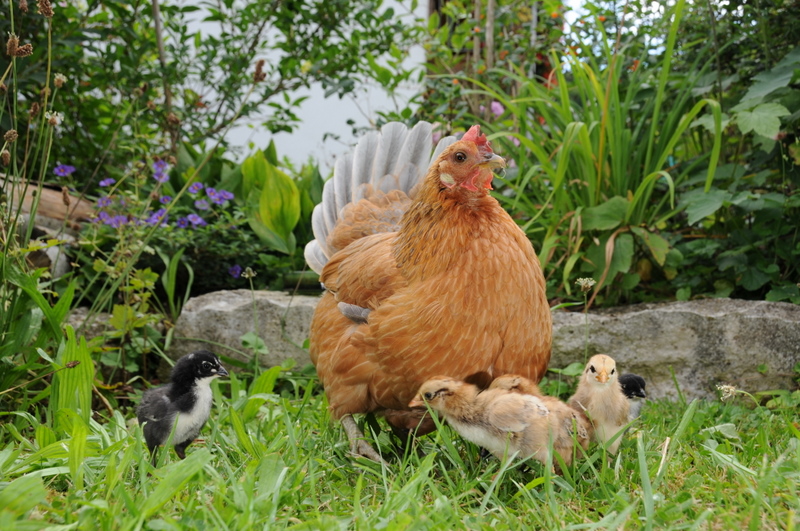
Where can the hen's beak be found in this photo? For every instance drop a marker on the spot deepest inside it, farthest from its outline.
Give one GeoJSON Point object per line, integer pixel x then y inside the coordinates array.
{"type": "Point", "coordinates": [494, 161]}
{"type": "Point", "coordinates": [602, 376]}
{"type": "Point", "coordinates": [417, 402]}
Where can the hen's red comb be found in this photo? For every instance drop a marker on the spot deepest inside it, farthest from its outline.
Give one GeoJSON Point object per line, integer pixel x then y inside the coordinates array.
{"type": "Point", "coordinates": [474, 135]}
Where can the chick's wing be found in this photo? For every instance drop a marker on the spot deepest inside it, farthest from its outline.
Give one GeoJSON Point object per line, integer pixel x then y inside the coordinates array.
{"type": "Point", "coordinates": [513, 412]}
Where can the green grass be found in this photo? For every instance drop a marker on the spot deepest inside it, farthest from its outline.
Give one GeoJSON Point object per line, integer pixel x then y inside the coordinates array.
{"type": "Point", "coordinates": [707, 465]}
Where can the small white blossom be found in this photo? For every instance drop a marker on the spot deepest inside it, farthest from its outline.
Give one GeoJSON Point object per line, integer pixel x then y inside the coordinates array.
{"type": "Point", "coordinates": [585, 284]}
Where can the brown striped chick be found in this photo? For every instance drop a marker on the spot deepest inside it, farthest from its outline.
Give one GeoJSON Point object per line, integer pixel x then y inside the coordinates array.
{"type": "Point", "coordinates": [600, 396]}
{"type": "Point", "coordinates": [498, 420]}
{"type": "Point", "coordinates": [567, 424]}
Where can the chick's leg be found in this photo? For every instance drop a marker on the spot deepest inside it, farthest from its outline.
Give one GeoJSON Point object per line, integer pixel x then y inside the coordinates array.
{"type": "Point", "coordinates": [358, 446]}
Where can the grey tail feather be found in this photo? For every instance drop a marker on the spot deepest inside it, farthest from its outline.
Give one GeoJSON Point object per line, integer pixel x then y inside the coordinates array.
{"type": "Point", "coordinates": [394, 158]}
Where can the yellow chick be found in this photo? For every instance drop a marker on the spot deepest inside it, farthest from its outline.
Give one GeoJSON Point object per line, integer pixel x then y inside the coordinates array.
{"type": "Point", "coordinates": [496, 419]}
{"type": "Point", "coordinates": [600, 396]}
{"type": "Point", "coordinates": [566, 424]}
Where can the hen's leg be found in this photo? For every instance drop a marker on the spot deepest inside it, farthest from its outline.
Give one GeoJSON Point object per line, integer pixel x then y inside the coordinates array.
{"type": "Point", "coordinates": [358, 446]}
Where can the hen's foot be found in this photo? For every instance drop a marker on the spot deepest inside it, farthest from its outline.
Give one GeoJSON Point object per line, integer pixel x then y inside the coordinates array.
{"type": "Point", "coordinates": [358, 446]}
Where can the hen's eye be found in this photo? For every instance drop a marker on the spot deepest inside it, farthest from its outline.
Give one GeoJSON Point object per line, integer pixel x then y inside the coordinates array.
{"type": "Point", "coordinates": [428, 396]}
{"type": "Point", "coordinates": [460, 156]}
{"type": "Point", "coordinates": [591, 368]}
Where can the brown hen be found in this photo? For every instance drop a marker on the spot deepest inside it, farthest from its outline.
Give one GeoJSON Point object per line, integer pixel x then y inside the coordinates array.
{"type": "Point", "coordinates": [424, 276]}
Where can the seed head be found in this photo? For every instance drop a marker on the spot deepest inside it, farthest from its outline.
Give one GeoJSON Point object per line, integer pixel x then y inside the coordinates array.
{"type": "Point", "coordinates": [173, 119]}
{"type": "Point", "coordinates": [10, 135]}
{"type": "Point", "coordinates": [12, 44]}
{"type": "Point", "coordinates": [34, 112]}
{"type": "Point", "coordinates": [23, 5]}
{"type": "Point", "coordinates": [65, 198]}
{"type": "Point", "coordinates": [248, 273]}
{"type": "Point", "coordinates": [259, 75]}
{"type": "Point", "coordinates": [727, 391]}
{"type": "Point", "coordinates": [5, 157]}
{"type": "Point", "coordinates": [45, 9]}
{"type": "Point", "coordinates": [585, 284]}
{"type": "Point", "coordinates": [53, 118]}
{"type": "Point", "coordinates": [59, 80]}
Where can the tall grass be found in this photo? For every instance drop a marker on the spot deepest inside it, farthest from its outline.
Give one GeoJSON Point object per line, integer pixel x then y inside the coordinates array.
{"type": "Point", "coordinates": [705, 465]}
{"type": "Point", "coordinates": [600, 147]}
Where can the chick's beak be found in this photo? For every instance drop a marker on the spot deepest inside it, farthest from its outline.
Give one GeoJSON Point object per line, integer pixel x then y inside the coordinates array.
{"type": "Point", "coordinates": [602, 376]}
{"type": "Point", "coordinates": [222, 371]}
{"type": "Point", "coordinates": [417, 402]}
{"type": "Point", "coordinates": [494, 161]}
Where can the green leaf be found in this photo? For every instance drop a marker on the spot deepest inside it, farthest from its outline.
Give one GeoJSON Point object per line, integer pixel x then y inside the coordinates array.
{"type": "Point", "coordinates": [263, 385]}
{"type": "Point", "coordinates": [605, 216]}
{"type": "Point", "coordinates": [273, 203]}
{"type": "Point", "coordinates": [22, 495]}
{"type": "Point", "coordinates": [175, 477]}
{"type": "Point", "coordinates": [253, 341]}
{"type": "Point", "coordinates": [764, 119]}
{"type": "Point", "coordinates": [72, 387]}
{"type": "Point", "coordinates": [658, 246]}
{"type": "Point", "coordinates": [701, 204]}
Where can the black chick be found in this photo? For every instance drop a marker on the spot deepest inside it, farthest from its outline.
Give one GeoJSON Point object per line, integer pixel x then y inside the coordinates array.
{"type": "Point", "coordinates": [633, 387]}
{"type": "Point", "coordinates": [187, 396]}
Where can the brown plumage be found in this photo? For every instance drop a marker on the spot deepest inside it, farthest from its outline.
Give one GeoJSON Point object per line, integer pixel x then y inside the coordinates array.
{"type": "Point", "coordinates": [600, 396]}
{"type": "Point", "coordinates": [457, 289]}
{"type": "Point", "coordinates": [567, 424]}
{"type": "Point", "coordinates": [501, 421]}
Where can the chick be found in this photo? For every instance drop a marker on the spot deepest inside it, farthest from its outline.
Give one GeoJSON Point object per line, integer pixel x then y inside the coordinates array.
{"type": "Point", "coordinates": [187, 397]}
{"type": "Point", "coordinates": [496, 419]}
{"type": "Point", "coordinates": [566, 424]}
{"type": "Point", "coordinates": [633, 386]}
{"type": "Point", "coordinates": [600, 396]}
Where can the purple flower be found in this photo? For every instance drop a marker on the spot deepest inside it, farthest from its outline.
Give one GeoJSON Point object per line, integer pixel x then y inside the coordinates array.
{"type": "Point", "coordinates": [159, 166]}
{"type": "Point", "coordinates": [211, 192]}
{"type": "Point", "coordinates": [235, 271]}
{"type": "Point", "coordinates": [435, 137]}
{"type": "Point", "coordinates": [107, 182]}
{"type": "Point", "coordinates": [160, 177]}
{"type": "Point", "coordinates": [222, 197]}
{"type": "Point", "coordinates": [64, 170]}
{"type": "Point", "coordinates": [165, 199]}
{"type": "Point", "coordinates": [201, 204]}
{"type": "Point", "coordinates": [196, 220]}
{"type": "Point", "coordinates": [104, 201]}
{"type": "Point", "coordinates": [182, 223]}
{"type": "Point", "coordinates": [158, 217]}
{"type": "Point", "coordinates": [102, 217]}
{"type": "Point", "coordinates": [497, 108]}
{"type": "Point", "coordinates": [116, 221]}
{"type": "Point", "coordinates": [195, 187]}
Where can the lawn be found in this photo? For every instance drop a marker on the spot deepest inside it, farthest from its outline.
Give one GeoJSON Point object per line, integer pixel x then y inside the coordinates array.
{"type": "Point", "coordinates": [271, 457]}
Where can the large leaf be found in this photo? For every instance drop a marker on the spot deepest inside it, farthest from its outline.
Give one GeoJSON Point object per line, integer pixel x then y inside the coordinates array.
{"type": "Point", "coordinates": [658, 246]}
{"type": "Point", "coordinates": [605, 216]}
{"type": "Point", "coordinates": [277, 210]}
{"type": "Point", "coordinates": [701, 204]}
{"type": "Point", "coordinates": [779, 76]}
{"type": "Point", "coordinates": [72, 387]}
{"type": "Point", "coordinates": [764, 119]}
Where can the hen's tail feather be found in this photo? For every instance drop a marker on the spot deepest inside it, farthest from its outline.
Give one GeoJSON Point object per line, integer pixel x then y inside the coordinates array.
{"type": "Point", "coordinates": [395, 158]}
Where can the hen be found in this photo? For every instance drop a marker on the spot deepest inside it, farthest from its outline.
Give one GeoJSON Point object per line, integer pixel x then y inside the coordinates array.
{"type": "Point", "coordinates": [425, 274]}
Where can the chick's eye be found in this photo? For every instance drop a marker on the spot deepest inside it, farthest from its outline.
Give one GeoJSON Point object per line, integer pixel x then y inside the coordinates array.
{"type": "Point", "coordinates": [460, 156]}
{"type": "Point", "coordinates": [428, 396]}
{"type": "Point", "coordinates": [591, 368]}
{"type": "Point", "coordinates": [613, 371]}
{"type": "Point", "coordinates": [206, 365]}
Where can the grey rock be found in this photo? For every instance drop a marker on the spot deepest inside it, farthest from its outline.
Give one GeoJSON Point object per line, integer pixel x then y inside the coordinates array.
{"type": "Point", "coordinates": [704, 342]}
{"type": "Point", "coordinates": [217, 321]}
